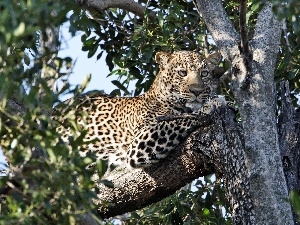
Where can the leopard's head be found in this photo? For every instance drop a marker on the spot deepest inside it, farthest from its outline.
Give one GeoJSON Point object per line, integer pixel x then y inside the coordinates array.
{"type": "Point", "coordinates": [185, 77]}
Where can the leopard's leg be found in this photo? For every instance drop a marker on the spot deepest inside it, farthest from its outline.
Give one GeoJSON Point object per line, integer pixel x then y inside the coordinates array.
{"type": "Point", "coordinates": [155, 141]}
{"type": "Point", "coordinates": [212, 104]}
{"type": "Point", "coordinates": [218, 101]}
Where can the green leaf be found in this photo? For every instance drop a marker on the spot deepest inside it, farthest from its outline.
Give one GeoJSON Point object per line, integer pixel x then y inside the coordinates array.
{"type": "Point", "coordinates": [100, 55]}
{"type": "Point", "coordinates": [160, 19]}
{"type": "Point", "coordinates": [135, 215]}
{"type": "Point", "coordinates": [120, 86]}
{"type": "Point", "coordinates": [20, 29]}
{"type": "Point", "coordinates": [295, 200]}
{"type": "Point", "coordinates": [205, 212]}
{"type": "Point", "coordinates": [109, 62]}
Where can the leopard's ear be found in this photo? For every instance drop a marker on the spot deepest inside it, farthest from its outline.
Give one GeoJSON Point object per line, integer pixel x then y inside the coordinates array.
{"type": "Point", "coordinates": [213, 60]}
{"type": "Point", "coordinates": [162, 58]}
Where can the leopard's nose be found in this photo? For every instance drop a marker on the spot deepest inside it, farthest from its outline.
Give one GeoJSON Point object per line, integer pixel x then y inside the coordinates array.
{"type": "Point", "coordinates": [196, 92]}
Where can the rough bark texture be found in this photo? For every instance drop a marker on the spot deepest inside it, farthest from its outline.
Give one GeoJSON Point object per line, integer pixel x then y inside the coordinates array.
{"type": "Point", "coordinates": [220, 27]}
{"type": "Point", "coordinates": [257, 106]}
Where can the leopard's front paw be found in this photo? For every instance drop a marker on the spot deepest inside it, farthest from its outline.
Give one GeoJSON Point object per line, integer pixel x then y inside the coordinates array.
{"type": "Point", "coordinates": [207, 109]}
{"type": "Point", "coordinates": [212, 104]}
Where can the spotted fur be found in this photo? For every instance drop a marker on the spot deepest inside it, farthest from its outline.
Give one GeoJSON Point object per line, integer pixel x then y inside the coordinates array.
{"type": "Point", "coordinates": [126, 130]}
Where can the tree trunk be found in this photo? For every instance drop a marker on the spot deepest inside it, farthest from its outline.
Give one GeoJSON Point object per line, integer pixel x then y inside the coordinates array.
{"type": "Point", "coordinates": [253, 86]}
{"type": "Point", "coordinates": [289, 139]}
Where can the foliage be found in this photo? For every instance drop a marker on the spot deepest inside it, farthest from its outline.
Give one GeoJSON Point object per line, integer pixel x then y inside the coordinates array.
{"type": "Point", "coordinates": [289, 67]}
{"type": "Point", "coordinates": [201, 202]}
{"type": "Point", "coordinates": [47, 181]}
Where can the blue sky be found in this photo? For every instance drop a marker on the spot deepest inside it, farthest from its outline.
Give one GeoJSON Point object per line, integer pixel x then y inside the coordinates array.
{"type": "Point", "coordinates": [71, 46]}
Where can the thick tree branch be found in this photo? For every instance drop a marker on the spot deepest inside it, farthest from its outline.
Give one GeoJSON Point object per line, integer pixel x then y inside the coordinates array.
{"type": "Point", "coordinates": [128, 5]}
{"type": "Point", "coordinates": [266, 174]}
{"type": "Point", "coordinates": [266, 40]}
{"type": "Point", "coordinates": [215, 148]}
{"type": "Point", "coordinates": [220, 27]}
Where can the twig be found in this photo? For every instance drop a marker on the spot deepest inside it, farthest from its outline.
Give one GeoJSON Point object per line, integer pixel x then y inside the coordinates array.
{"type": "Point", "coordinates": [243, 27]}
{"type": "Point", "coordinates": [245, 45]}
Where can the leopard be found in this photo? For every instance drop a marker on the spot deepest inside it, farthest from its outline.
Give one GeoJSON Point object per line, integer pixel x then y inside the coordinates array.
{"type": "Point", "coordinates": [127, 130]}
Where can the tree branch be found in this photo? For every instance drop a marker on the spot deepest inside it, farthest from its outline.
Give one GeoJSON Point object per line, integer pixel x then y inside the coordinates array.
{"type": "Point", "coordinates": [269, 187]}
{"type": "Point", "coordinates": [266, 40]}
{"type": "Point", "coordinates": [128, 5]}
{"type": "Point", "coordinates": [289, 139]}
{"type": "Point", "coordinates": [246, 54]}
{"type": "Point", "coordinates": [214, 148]}
{"type": "Point", "coordinates": [220, 27]}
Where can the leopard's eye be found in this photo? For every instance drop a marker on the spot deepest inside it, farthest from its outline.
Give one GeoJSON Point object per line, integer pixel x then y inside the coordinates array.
{"type": "Point", "coordinates": [182, 73]}
{"type": "Point", "coordinates": [204, 73]}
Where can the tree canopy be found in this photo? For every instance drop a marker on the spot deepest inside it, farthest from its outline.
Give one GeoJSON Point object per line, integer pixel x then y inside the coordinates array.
{"type": "Point", "coordinates": [45, 183]}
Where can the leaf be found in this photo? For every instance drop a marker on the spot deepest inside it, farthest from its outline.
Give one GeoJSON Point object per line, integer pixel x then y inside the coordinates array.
{"type": "Point", "coordinates": [120, 86]}
{"type": "Point", "coordinates": [160, 19]}
{"type": "Point", "coordinates": [115, 92]}
{"type": "Point", "coordinates": [136, 73]}
{"type": "Point", "coordinates": [109, 62]}
{"type": "Point", "coordinates": [100, 55]}
{"type": "Point", "coordinates": [295, 200]}
{"type": "Point", "coordinates": [135, 215]}
{"type": "Point", "coordinates": [205, 212]}
{"type": "Point", "coordinates": [93, 50]}
{"type": "Point", "coordinates": [20, 29]}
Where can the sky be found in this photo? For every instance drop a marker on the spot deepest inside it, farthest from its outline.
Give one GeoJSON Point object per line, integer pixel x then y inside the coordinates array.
{"type": "Point", "coordinates": [71, 46]}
